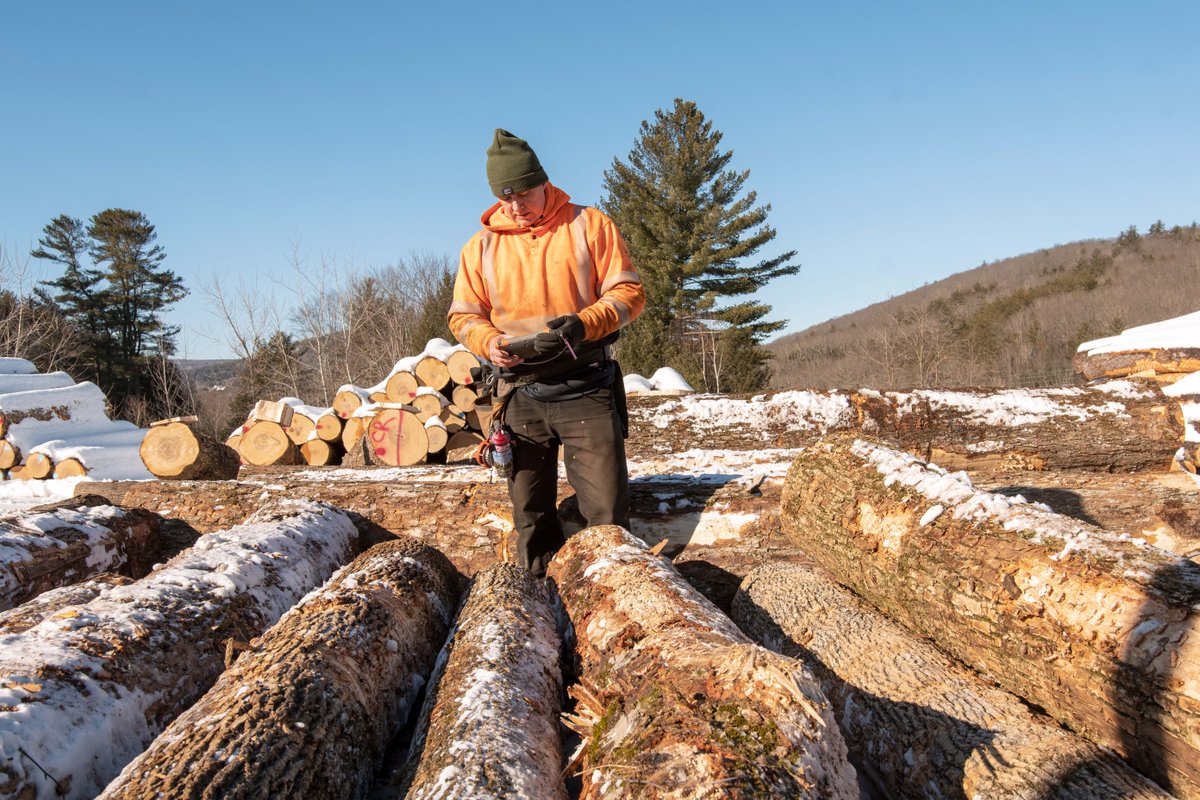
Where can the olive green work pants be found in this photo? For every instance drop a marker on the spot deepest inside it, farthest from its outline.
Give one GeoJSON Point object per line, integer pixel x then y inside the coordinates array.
{"type": "Point", "coordinates": [589, 430]}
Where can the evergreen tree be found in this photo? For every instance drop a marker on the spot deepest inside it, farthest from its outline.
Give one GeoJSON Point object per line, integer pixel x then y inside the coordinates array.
{"type": "Point", "coordinates": [691, 229]}
{"type": "Point", "coordinates": [79, 295]}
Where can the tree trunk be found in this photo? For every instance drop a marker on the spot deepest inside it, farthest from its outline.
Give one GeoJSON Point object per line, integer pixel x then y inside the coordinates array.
{"type": "Point", "coordinates": [1118, 426]}
{"type": "Point", "coordinates": [72, 540]}
{"type": "Point", "coordinates": [428, 403]}
{"type": "Point", "coordinates": [50, 603]}
{"type": "Point", "coordinates": [177, 451]}
{"type": "Point", "coordinates": [464, 396]}
{"type": "Point", "coordinates": [1091, 625]}
{"type": "Point", "coordinates": [265, 443]}
{"type": "Point", "coordinates": [138, 655]}
{"type": "Point", "coordinates": [1094, 366]}
{"type": "Point", "coordinates": [401, 387]}
{"type": "Point", "coordinates": [491, 717]}
{"type": "Point", "coordinates": [39, 466]}
{"type": "Point", "coordinates": [308, 710]}
{"type": "Point", "coordinates": [461, 446]}
{"type": "Point", "coordinates": [436, 435]}
{"type": "Point", "coordinates": [70, 468]}
{"type": "Point", "coordinates": [923, 725]}
{"type": "Point", "coordinates": [396, 437]}
{"type": "Point", "coordinates": [459, 364]}
{"type": "Point", "coordinates": [348, 399]}
{"type": "Point", "coordinates": [10, 454]}
{"type": "Point", "coordinates": [432, 372]}
{"type": "Point", "coordinates": [320, 453]}
{"type": "Point", "coordinates": [673, 700]}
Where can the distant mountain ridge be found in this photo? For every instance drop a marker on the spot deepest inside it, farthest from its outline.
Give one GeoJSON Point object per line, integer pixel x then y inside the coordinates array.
{"type": "Point", "coordinates": [1014, 322]}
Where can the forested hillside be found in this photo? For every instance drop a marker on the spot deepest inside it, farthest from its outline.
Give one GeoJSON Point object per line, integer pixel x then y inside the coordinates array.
{"type": "Point", "coordinates": [1014, 322]}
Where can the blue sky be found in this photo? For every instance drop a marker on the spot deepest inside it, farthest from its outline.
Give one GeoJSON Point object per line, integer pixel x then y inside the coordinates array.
{"type": "Point", "coordinates": [897, 143]}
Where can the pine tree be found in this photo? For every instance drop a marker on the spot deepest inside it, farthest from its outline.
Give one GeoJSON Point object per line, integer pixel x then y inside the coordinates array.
{"type": "Point", "coordinates": [691, 230]}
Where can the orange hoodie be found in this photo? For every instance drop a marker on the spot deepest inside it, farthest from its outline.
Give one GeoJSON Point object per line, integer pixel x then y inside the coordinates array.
{"type": "Point", "coordinates": [512, 279]}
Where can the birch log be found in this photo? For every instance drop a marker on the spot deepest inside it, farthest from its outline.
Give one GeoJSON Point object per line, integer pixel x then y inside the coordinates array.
{"type": "Point", "coordinates": [925, 726]}
{"type": "Point", "coordinates": [70, 541]}
{"type": "Point", "coordinates": [83, 694]}
{"type": "Point", "coordinates": [673, 700]}
{"type": "Point", "coordinates": [1095, 627]}
{"type": "Point", "coordinates": [309, 709]}
{"type": "Point", "coordinates": [489, 728]}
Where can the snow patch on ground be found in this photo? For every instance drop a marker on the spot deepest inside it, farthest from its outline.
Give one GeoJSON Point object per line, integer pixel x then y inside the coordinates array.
{"type": "Point", "coordinates": [795, 410]}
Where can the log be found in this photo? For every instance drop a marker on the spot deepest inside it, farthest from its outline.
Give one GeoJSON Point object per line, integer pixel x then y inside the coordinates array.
{"type": "Point", "coordinates": [921, 724]}
{"type": "Point", "coordinates": [51, 603]}
{"type": "Point", "coordinates": [1123, 363]}
{"type": "Point", "coordinates": [462, 445]}
{"type": "Point", "coordinates": [499, 674]}
{"type": "Point", "coordinates": [673, 700]}
{"type": "Point", "coordinates": [464, 396]}
{"type": "Point", "coordinates": [459, 364]}
{"type": "Point", "coordinates": [308, 710]}
{"type": "Point", "coordinates": [401, 387]}
{"type": "Point", "coordinates": [320, 453]}
{"type": "Point", "coordinates": [428, 403]}
{"type": "Point", "coordinates": [66, 542]}
{"type": "Point", "coordinates": [301, 429]}
{"type": "Point", "coordinates": [1116, 426]}
{"type": "Point", "coordinates": [396, 437]}
{"type": "Point", "coordinates": [39, 466]}
{"type": "Point", "coordinates": [348, 399]}
{"type": "Point", "coordinates": [70, 468]}
{"type": "Point", "coordinates": [436, 433]}
{"type": "Point", "coordinates": [1093, 626]}
{"type": "Point", "coordinates": [178, 451]}
{"type": "Point", "coordinates": [135, 657]}
{"type": "Point", "coordinates": [353, 430]}
{"type": "Point", "coordinates": [10, 454]}
{"type": "Point", "coordinates": [278, 411]}
{"type": "Point", "coordinates": [266, 443]}
{"type": "Point", "coordinates": [432, 372]}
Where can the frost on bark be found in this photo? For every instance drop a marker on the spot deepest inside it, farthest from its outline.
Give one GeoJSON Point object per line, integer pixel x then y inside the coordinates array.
{"type": "Point", "coordinates": [924, 725]}
{"type": "Point", "coordinates": [308, 710]}
{"type": "Point", "coordinates": [489, 728]}
{"type": "Point", "coordinates": [675, 701]}
{"type": "Point", "coordinates": [115, 671]}
{"type": "Point", "coordinates": [1096, 627]}
{"type": "Point", "coordinates": [48, 603]}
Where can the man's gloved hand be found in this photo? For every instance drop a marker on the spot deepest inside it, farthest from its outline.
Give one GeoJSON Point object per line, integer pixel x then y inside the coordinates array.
{"type": "Point", "coordinates": [565, 330]}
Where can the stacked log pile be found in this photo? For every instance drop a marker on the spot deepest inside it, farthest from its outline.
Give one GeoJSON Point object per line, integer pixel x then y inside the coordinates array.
{"type": "Point", "coordinates": [423, 409]}
{"type": "Point", "coordinates": [53, 427]}
{"type": "Point", "coordinates": [1095, 627]}
{"type": "Point", "coordinates": [1167, 352]}
{"type": "Point", "coordinates": [308, 710]}
{"type": "Point", "coordinates": [114, 671]}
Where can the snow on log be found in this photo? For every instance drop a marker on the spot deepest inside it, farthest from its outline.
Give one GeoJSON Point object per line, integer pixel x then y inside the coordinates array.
{"type": "Point", "coordinates": [922, 725]}
{"type": "Point", "coordinates": [674, 700]}
{"type": "Point", "coordinates": [72, 540]}
{"type": "Point", "coordinates": [48, 603]}
{"type": "Point", "coordinates": [16, 366]}
{"type": "Point", "coordinates": [178, 451]}
{"type": "Point", "coordinates": [348, 398]}
{"type": "Point", "coordinates": [1169, 346]}
{"type": "Point", "coordinates": [308, 710]}
{"type": "Point", "coordinates": [36, 416]}
{"type": "Point", "coordinates": [31, 382]}
{"type": "Point", "coordinates": [115, 671]}
{"type": "Point", "coordinates": [1095, 627]}
{"type": "Point", "coordinates": [489, 727]}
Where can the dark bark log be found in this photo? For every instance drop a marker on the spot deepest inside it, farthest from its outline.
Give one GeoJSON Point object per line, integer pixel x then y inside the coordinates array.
{"type": "Point", "coordinates": [674, 701]}
{"type": "Point", "coordinates": [1127, 362]}
{"type": "Point", "coordinates": [924, 725]}
{"type": "Point", "coordinates": [47, 604]}
{"type": "Point", "coordinates": [133, 658]}
{"type": "Point", "coordinates": [70, 541]}
{"type": "Point", "coordinates": [489, 727]}
{"type": "Point", "coordinates": [308, 710]}
{"type": "Point", "coordinates": [178, 451]}
{"type": "Point", "coordinates": [1093, 626]}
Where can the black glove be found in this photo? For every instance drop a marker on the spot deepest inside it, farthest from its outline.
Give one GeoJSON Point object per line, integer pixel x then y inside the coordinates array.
{"type": "Point", "coordinates": [566, 332]}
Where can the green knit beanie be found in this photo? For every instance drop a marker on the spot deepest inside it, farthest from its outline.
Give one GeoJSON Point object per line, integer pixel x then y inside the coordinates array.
{"type": "Point", "coordinates": [512, 166]}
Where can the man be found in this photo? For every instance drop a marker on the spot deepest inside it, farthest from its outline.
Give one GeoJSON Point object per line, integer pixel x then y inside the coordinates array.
{"type": "Point", "coordinates": [542, 265]}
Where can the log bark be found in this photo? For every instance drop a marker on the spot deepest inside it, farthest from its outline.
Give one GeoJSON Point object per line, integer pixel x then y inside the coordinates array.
{"type": "Point", "coordinates": [309, 709]}
{"type": "Point", "coordinates": [489, 726]}
{"type": "Point", "coordinates": [178, 451]}
{"type": "Point", "coordinates": [396, 437]}
{"type": "Point", "coordinates": [67, 542]}
{"type": "Point", "coordinates": [135, 657]}
{"type": "Point", "coordinates": [266, 443]}
{"type": "Point", "coordinates": [1094, 366]}
{"type": "Point", "coordinates": [921, 724]}
{"type": "Point", "coordinates": [50, 603]}
{"type": "Point", "coordinates": [1118, 426]}
{"type": "Point", "coordinates": [673, 700]}
{"type": "Point", "coordinates": [1095, 627]}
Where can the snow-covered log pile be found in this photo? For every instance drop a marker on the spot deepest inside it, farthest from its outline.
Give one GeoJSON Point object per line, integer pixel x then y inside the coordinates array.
{"type": "Point", "coordinates": [76, 539]}
{"type": "Point", "coordinates": [498, 674]}
{"type": "Point", "coordinates": [83, 692]}
{"type": "Point", "coordinates": [664, 381]}
{"type": "Point", "coordinates": [1187, 392]}
{"type": "Point", "coordinates": [673, 700]}
{"type": "Point", "coordinates": [51, 426]}
{"type": "Point", "coordinates": [1094, 626]}
{"type": "Point", "coordinates": [1118, 425]}
{"type": "Point", "coordinates": [409, 417]}
{"type": "Point", "coordinates": [309, 708]}
{"type": "Point", "coordinates": [919, 724]}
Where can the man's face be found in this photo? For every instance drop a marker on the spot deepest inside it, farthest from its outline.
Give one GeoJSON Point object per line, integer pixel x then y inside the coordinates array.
{"type": "Point", "coordinates": [526, 207]}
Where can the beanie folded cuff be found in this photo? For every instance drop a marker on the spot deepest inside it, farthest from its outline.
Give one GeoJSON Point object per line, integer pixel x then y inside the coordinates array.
{"type": "Point", "coordinates": [521, 183]}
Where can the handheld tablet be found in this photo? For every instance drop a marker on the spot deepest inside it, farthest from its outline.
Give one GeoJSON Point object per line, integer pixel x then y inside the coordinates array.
{"type": "Point", "coordinates": [519, 345]}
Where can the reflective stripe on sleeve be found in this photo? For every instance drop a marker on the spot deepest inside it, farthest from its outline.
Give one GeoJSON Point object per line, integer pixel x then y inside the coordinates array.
{"type": "Point", "coordinates": [463, 307]}
{"type": "Point", "coordinates": [619, 307]}
{"type": "Point", "coordinates": [619, 278]}
{"type": "Point", "coordinates": [585, 268]}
